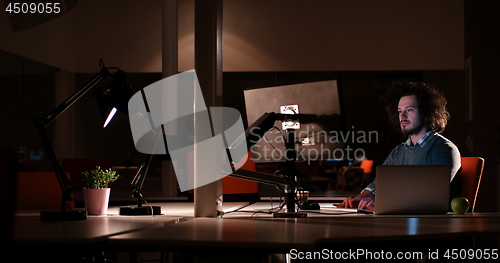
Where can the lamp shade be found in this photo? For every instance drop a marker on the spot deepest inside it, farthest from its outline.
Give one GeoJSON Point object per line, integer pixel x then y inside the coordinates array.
{"type": "Point", "coordinates": [114, 96]}
{"type": "Point", "coordinates": [121, 91]}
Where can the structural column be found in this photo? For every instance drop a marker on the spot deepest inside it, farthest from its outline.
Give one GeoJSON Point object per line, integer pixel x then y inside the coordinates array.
{"type": "Point", "coordinates": [169, 68]}
{"type": "Point", "coordinates": [208, 65]}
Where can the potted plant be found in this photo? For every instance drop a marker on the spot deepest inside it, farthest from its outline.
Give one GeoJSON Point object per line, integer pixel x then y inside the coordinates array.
{"type": "Point", "coordinates": [96, 191]}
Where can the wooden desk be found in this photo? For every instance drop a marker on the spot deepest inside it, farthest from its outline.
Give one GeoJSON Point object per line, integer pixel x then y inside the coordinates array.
{"type": "Point", "coordinates": [177, 230]}
{"type": "Point", "coordinates": [241, 234]}
{"type": "Point", "coordinates": [38, 241]}
{"type": "Point", "coordinates": [28, 229]}
{"type": "Point", "coordinates": [68, 239]}
{"type": "Point", "coordinates": [306, 233]}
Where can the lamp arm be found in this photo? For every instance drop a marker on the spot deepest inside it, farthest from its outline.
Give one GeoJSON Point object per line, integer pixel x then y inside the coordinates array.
{"type": "Point", "coordinates": [144, 172]}
{"type": "Point", "coordinates": [48, 118]}
{"type": "Point", "coordinates": [260, 177]}
{"type": "Point", "coordinates": [135, 182]}
{"type": "Point", "coordinates": [42, 121]}
{"type": "Point", "coordinates": [139, 177]}
{"type": "Point", "coordinates": [257, 130]}
{"type": "Point", "coordinates": [64, 182]}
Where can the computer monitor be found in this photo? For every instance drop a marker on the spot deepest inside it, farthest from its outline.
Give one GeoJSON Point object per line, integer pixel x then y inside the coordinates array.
{"type": "Point", "coordinates": [322, 121]}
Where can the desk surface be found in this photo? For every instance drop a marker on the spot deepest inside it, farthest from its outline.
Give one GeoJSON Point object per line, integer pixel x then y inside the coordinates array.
{"type": "Point", "coordinates": [239, 230]}
{"type": "Point", "coordinates": [29, 229]}
{"type": "Point", "coordinates": [305, 233]}
{"type": "Point", "coordinates": [177, 228]}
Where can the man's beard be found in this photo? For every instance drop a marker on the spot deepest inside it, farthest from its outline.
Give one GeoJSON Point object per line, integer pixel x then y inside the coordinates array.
{"type": "Point", "coordinates": [410, 131]}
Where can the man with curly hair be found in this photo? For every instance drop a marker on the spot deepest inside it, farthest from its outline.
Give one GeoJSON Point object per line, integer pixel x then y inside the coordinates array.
{"type": "Point", "coordinates": [419, 111]}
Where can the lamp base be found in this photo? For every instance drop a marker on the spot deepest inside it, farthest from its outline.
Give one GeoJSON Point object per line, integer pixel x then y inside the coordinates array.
{"type": "Point", "coordinates": [63, 216]}
{"type": "Point", "coordinates": [140, 211]}
{"type": "Point", "coordinates": [291, 215]}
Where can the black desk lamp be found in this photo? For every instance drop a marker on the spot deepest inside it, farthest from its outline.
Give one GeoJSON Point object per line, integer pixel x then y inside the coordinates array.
{"type": "Point", "coordinates": [136, 186]}
{"type": "Point", "coordinates": [110, 99]}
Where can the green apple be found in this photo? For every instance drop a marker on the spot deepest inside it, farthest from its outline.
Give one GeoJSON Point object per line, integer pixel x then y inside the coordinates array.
{"type": "Point", "coordinates": [460, 205]}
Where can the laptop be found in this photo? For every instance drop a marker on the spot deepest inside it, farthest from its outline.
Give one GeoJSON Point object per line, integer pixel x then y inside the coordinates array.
{"type": "Point", "coordinates": [412, 189]}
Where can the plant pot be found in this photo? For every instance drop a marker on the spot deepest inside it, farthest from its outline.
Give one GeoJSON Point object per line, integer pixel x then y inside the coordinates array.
{"type": "Point", "coordinates": [96, 200]}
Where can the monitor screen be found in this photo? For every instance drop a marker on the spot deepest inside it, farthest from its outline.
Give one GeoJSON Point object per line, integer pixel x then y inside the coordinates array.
{"type": "Point", "coordinates": [322, 122]}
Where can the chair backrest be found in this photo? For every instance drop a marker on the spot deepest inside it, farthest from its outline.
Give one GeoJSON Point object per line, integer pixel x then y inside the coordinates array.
{"type": "Point", "coordinates": [39, 190]}
{"type": "Point", "coordinates": [350, 178]}
{"type": "Point", "coordinates": [472, 169]}
{"type": "Point", "coordinates": [231, 185]}
{"type": "Point", "coordinates": [367, 165]}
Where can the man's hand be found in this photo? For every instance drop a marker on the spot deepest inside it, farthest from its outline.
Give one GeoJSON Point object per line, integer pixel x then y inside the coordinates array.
{"type": "Point", "coordinates": [365, 200]}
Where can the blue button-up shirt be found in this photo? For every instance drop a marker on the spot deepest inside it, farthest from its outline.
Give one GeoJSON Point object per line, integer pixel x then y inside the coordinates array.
{"type": "Point", "coordinates": [422, 142]}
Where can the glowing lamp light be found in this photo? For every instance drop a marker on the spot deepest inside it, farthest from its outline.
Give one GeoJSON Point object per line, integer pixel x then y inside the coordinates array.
{"type": "Point", "coordinates": [110, 116]}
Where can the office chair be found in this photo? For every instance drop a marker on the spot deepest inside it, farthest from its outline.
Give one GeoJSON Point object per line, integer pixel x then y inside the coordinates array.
{"type": "Point", "coordinates": [367, 166]}
{"type": "Point", "coordinates": [472, 170]}
{"type": "Point", "coordinates": [39, 190]}
{"type": "Point", "coordinates": [354, 178]}
{"type": "Point", "coordinates": [235, 189]}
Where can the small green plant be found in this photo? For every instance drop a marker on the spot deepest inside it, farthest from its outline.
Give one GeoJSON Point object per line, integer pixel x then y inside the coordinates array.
{"type": "Point", "coordinates": [97, 179]}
